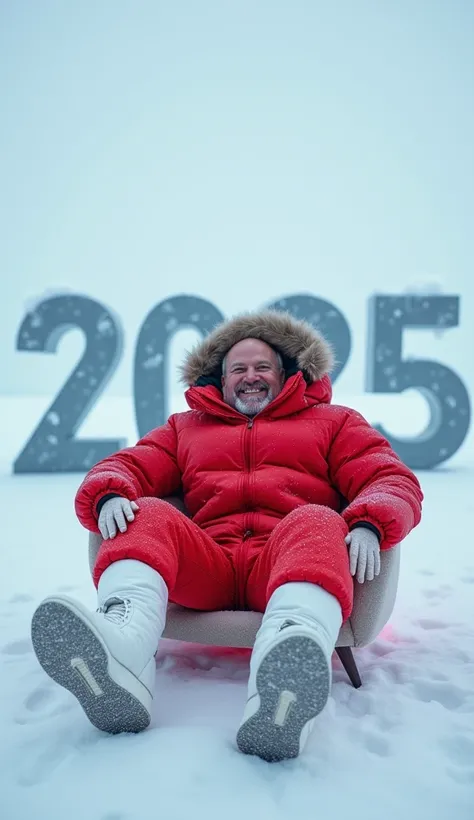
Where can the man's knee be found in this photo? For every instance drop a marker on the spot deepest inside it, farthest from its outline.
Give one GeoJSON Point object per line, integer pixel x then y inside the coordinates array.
{"type": "Point", "coordinates": [158, 507]}
{"type": "Point", "coordinates": [315, 515]}
{"type": "Point", "coordinates": [309, 529]}
{"type": "Point", "coordinates": [155, 515]}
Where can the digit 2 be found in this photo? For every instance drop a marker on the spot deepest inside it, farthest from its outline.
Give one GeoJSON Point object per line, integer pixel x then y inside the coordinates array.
{"type": "Point", "coordinates": [52, 447]}
{"type": "Point", "coordinates": [326, 318]}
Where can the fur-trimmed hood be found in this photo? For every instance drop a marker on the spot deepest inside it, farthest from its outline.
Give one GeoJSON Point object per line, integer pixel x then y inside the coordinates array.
{"type": "Point", "coordinates": [299, 344]}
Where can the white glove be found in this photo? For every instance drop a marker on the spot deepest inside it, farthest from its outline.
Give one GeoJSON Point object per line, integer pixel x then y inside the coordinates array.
{"type": "Point", "coordinates": [364, 553]}
{"type": "Point", "coordinates": [113, 515]}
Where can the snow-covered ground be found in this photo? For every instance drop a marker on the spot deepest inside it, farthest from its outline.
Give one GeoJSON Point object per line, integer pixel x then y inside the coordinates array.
{"type": "Point", "coordinates": [402, 746]}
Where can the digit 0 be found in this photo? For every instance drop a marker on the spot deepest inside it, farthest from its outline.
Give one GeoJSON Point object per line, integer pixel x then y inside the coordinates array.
{"type": "Point", "coordinates": [151, 354]}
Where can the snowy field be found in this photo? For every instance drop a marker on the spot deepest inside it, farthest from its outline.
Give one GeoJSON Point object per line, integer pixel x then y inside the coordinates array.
{"type": "Point", "coordinates": [402, 746]}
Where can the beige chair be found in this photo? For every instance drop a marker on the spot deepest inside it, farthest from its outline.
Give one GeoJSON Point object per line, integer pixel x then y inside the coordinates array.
{"type": "Point", "coordinates": [373, 605]}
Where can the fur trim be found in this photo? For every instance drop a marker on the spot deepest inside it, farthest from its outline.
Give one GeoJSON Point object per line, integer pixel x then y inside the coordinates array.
{"type": "Point", "coordinates": [298, 342]}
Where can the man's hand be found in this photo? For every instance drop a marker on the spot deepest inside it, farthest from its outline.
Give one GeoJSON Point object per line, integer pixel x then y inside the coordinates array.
{"type": "Point", "coordinates": [364, 553]}
{"type": "Point", "coordinates": [113, 515]}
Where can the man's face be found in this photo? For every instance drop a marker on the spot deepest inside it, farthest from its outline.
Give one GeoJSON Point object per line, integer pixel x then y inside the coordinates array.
{"type": "Point", "coordinates": [252, 378]}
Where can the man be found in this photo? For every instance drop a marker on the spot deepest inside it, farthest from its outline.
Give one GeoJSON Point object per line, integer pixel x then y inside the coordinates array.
{"type": "Point", "coordinates": [288, 497]}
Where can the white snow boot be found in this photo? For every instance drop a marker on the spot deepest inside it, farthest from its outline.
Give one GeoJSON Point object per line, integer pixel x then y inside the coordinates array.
{"type": "Point", "coordinates": [290, 671]}
{"type": "Point", "coordinates": [107, 658]}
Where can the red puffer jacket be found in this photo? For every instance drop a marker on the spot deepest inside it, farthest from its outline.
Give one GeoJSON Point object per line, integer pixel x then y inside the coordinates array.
{"type": "Point", "coordinates": [239, 475]}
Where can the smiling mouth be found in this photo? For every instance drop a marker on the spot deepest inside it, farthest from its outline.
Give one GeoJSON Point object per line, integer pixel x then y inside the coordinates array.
{"type": "Point", "coordinates": [253, 392]}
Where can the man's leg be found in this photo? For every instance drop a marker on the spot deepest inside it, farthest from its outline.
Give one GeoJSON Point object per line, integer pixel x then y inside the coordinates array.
{"type": "Point", "coordinates": [301, 581]}
{"type": "Point", "coordinates": [106, 658]}
{"type": "Point", "coordinates": [197, 572]}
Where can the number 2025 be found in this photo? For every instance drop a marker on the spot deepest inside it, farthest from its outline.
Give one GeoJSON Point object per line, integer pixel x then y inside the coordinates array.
{"type": "Point", "coordinates": [53, 447]}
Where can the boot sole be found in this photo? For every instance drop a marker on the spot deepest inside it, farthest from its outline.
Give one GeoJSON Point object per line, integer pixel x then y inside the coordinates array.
{"type": "Point", "coordinates": [72, 654]}
{"type": "Point", "coordinates": [293, 683]}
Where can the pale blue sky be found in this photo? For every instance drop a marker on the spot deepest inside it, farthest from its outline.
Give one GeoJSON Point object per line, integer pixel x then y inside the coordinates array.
{"type": "Point", "coordinates": [240, 151]}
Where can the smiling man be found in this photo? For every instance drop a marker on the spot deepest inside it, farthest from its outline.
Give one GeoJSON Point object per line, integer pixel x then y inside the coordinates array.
{"type": "Point", "coordinates": [288, 497]}
{"type": "Point", "coordinates": [252, 376]}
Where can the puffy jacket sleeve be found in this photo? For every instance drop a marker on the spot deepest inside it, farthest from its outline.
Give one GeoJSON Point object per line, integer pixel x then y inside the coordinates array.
{"type": "Point", "coordinates": [379, 487]}
{"type": "Point", "coordinates": [148, 468]}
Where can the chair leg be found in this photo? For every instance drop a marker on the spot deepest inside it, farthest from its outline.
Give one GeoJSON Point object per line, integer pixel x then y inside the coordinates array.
{"type": "Point", "coordinates": [348, 661]}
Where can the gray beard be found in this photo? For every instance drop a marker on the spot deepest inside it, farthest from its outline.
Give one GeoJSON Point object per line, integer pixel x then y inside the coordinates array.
{"type": "Point", "coordinates": [251, 407]}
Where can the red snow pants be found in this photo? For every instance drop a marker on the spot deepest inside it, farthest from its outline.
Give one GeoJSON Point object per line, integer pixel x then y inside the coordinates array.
{"type": "Point", "coordinates": [306, 545]}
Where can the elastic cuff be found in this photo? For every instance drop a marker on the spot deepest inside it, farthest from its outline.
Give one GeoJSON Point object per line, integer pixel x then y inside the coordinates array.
{"type": "Point", "coordinates": [367, 526]}
{"type": "Point", "coordinates": [105, 498]}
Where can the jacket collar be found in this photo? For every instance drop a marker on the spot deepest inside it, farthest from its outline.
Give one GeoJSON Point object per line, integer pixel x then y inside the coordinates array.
{"type": "Point", "coordinates": [295, 396]}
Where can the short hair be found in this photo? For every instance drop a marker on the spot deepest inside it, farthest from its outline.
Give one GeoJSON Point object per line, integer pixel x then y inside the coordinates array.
{"type": "Point", "coordinates": [279, 360]}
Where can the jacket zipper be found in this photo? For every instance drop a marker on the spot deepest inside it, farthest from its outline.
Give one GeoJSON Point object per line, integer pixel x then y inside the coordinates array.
{"type": "Point", "coordinates": [247, 461]}
{"type": "Point", "coordinates": [246, 499]}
